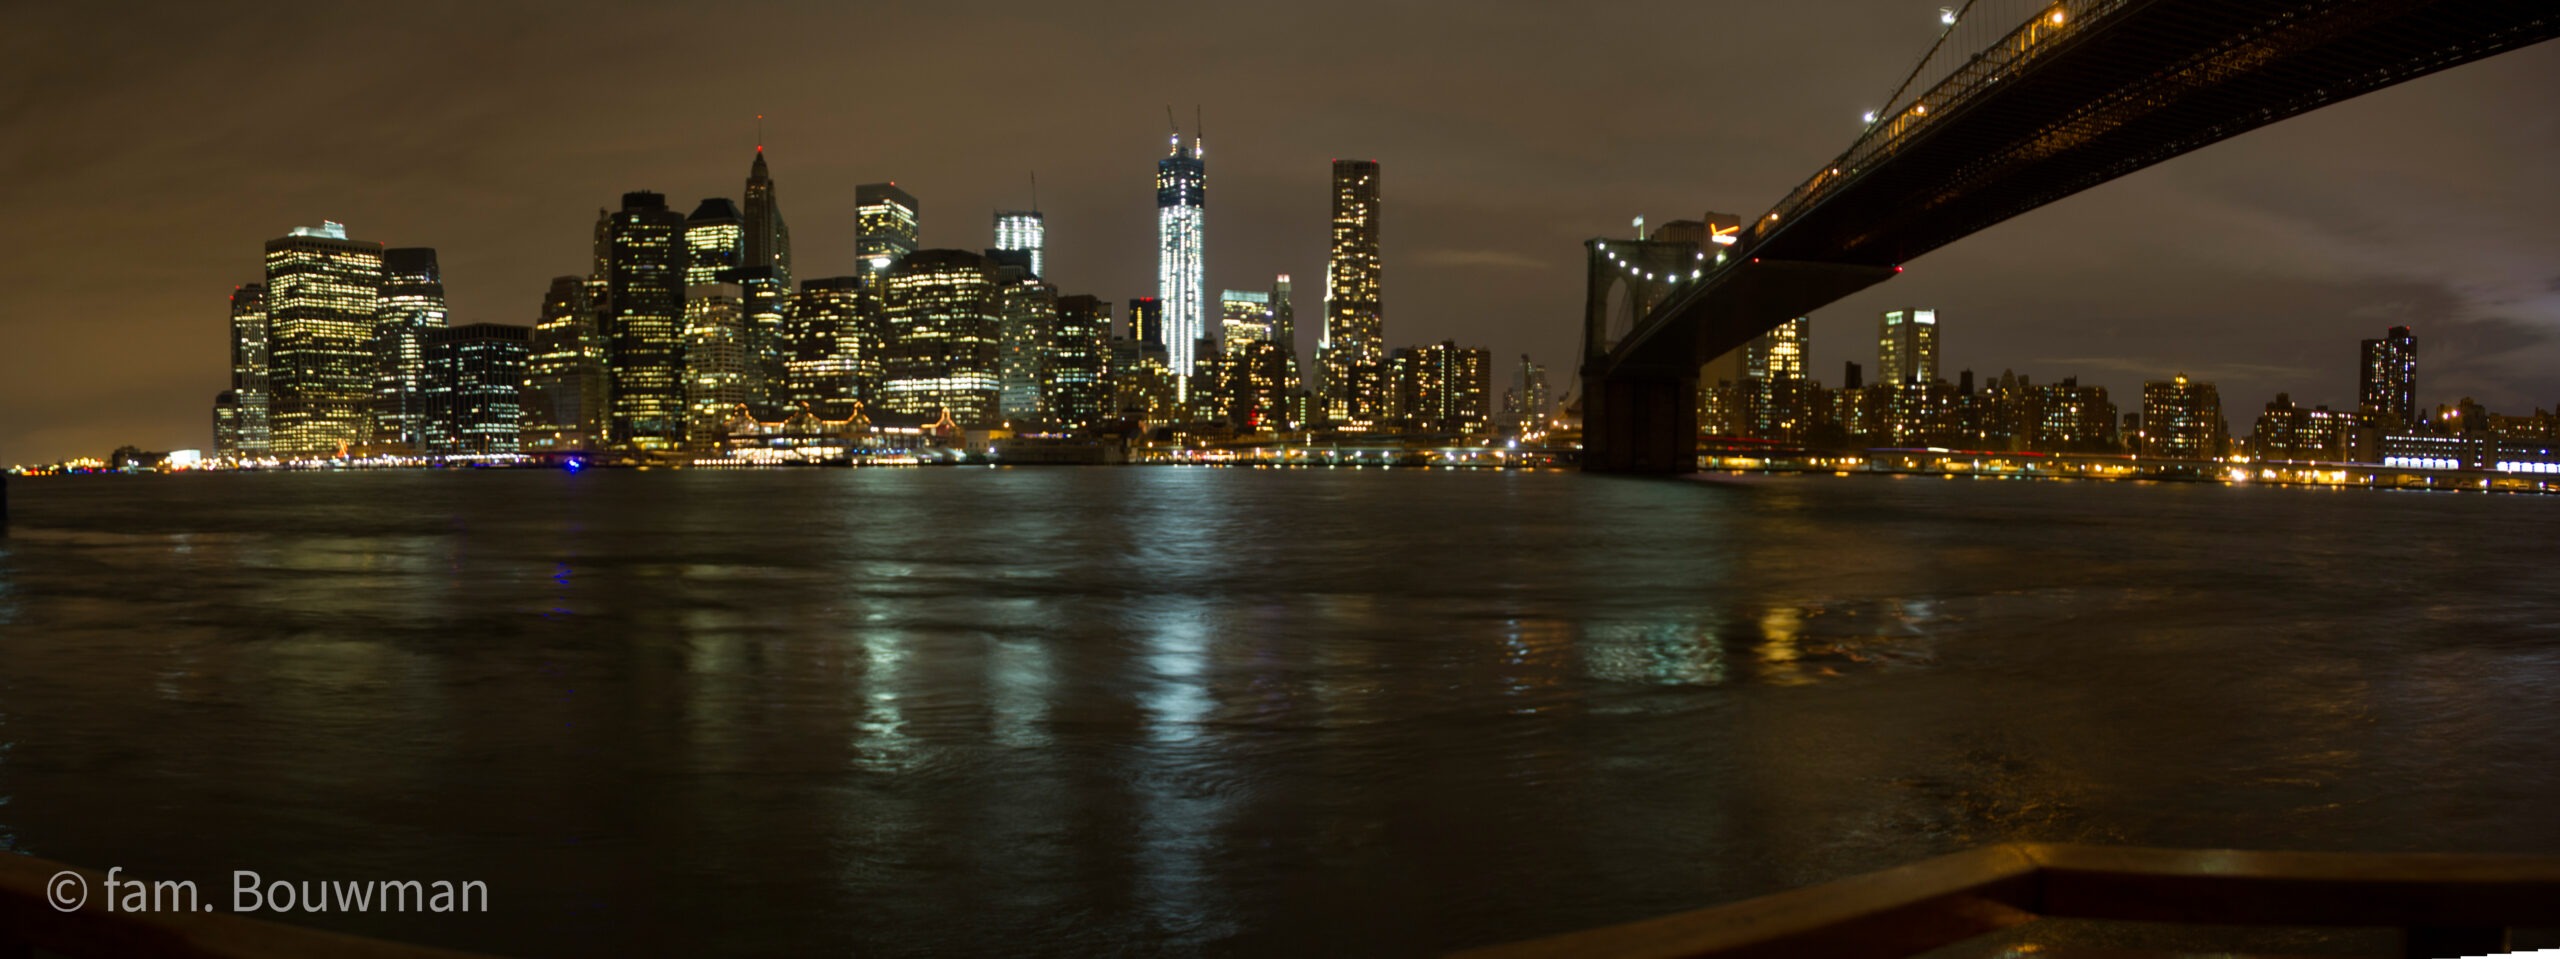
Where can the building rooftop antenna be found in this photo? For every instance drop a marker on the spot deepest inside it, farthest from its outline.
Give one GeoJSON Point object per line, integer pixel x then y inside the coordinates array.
{"type": "Point", "coordinates": [1035, 191]}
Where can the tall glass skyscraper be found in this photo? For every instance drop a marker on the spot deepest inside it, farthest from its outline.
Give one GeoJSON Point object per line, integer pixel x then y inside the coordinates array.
{"type": "Point", "coordinates": [251, 431]}
{"type": "Point", "coordinates": [835, 358]}
{"type": "Point", "coordinates": [943, 329]}
{"type": "Point", "coordinates": [1355, 341]}
{"type": "Point", "coordinates": [1181, 282]}
{"type": "Point", "coordinates": [715, 241]}
{"type": "Point", "coordinates": [565, 374]}
{"type": "Point", "coordinates": [1773, 371]}
{"type": "Point", "coordinates": [767, 240]}
{"type": "Point", "coordinates": [644, 332]}
{"type": "Point", "coordinates": [718, 362]}
{"type": "Point", "coordinates": [322, 293]}
{"type": "Point", "coordinates": [1907, 348]}
{"type": "Point", "coordinates": [1027, 310]}
{"type": "Point", "coordinates": [474, 389]}
{"type": "Point", "coordinates": [411, 307]}
{"type": "Point", "coordinates": [1024, 230]}
{"type": "Point", "coordinates": [1244, 318]}
{"type": "Point", "coordinates": [1075, 381]}
{"type": "Point", "coordinates": [888, 225]}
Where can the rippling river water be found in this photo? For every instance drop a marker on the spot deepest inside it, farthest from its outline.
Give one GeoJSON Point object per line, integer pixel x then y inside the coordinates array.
{"type": "Point", "coordinates": [1180, 710]}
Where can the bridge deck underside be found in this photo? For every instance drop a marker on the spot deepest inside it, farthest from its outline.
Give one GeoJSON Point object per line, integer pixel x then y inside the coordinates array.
{"type": "Point", "coordinates": [2139, 86]}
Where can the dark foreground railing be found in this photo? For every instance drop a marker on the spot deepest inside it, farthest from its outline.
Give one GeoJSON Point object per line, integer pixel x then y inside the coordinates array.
{"type": "Point", "coordinates": [29, 920]}
{"type": "Point", "coordinates": [2448, 905]}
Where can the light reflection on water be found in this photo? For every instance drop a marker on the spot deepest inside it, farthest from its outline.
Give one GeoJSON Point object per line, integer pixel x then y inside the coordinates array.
{"type": "Point", "coordinates": [1080, 711]}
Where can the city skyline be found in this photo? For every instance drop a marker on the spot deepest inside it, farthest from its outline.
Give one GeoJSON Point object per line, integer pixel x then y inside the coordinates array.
{"type": "Point", "coordinates": [2313, 237]}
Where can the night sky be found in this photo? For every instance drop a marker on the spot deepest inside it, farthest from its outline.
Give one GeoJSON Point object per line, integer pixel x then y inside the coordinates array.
{"type": "Point", "coordinates": [152, 149]}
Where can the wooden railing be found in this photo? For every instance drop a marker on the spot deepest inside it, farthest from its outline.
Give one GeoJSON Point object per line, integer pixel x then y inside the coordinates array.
{"type": "Point", "coordinates": [2448, 905]}
{"type": "Point", "coordinates": [30, 921]}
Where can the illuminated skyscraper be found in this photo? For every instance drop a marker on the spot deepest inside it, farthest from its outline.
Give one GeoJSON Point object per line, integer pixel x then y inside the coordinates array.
{"type": "Point", "coordinates": [1244, 318]}
{"type": "Point", "coordinates": [474, 387]}
{"type": "Point", "coordinates": [1146, 322]}
{"type": "Point", "coordinates": [717, 362]}
{"type": "Point", "coordinates": [835, 358]}
{"type": "Point", "coordinates": [768, 239]}
{"type": "Point", "coordinates": [888, 226]}
{"type": "Point", "coordinates": [1907, 348]}
{"type": "Point", "coordinates": [566, 384]}
{"type": "Point", "coordinates": [1773, 367]}
{"type": "Point", "coordinates": [412, 305]}
{"type": "Point", "coordinates": [1181, 281]}
{"type": "Point", "coordinates": [941, 334]}
{"type": "Point", "coordinates": [1075, 385]}
{"type": "Point", "coordinates": [715, 239]}
{"type": "Point", "coordinates": [1284, 323]}
{"type": "Point", "coordinates": [2388, 390]}
{"type": "Point", "coordinates": [322, 293]}
{"type": "Point", "coordinates": [1028, 312]}
{"type": "Point", "coordinates": [252, 430]}
{"type": "Point", "coordinates": [1024, 230]}
{"type": "Point", "coordinates": [1354, 342]}
{"type": "Point", "coordinates": [765, 302]}
{"type": "Point", "coordinates": [644, 329]}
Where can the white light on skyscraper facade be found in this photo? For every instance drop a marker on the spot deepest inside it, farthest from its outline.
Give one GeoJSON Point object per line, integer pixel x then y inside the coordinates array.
{"type": "Point", "coordinates": [1024, 230]}
{"type": "Point", "coordinates": [1181, 192]}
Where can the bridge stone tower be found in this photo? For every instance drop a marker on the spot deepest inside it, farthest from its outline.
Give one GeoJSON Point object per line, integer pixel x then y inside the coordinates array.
{"type": "Point", "coordinates": [1638, 420]}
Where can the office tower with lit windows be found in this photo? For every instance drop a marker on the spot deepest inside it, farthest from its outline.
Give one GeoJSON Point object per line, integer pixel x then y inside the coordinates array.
{"type": "Point", "coordinates": [1244, 318]}
{"type": "Point", "coordinates": [644, 328]}
{"type": "Point", "coordinates": [567, 388]}
{"type": "Point", "coordinates": [1146, 322]}
{"type": "Point", "coordinates": [251, 431]}
{"type": "Point", "coordinates": [887, 227]}
{"type": "Point", "coordinates": [1025, 231]}
{"type": "Point", "coordinates": [765, 302]}
{"type": "Point", "coordinates": [942, 337]}
{"type": "Point", "coordinates": [834, 357]}
{"type": "Point", "coordinates": [411, 306]}
{"type": "Point", "coordinates": [715, 241]}
{"type": "Point", "coordinates": [1773, 372]}
{"type": "Point", "coordinates": [2182, 420]}
{"type": "Point", "coordinates": [475, 376]}
{"type": "Point", "coordinates": [1075, 384]}
{"type": "Point", "coordinates": [1354, 340]}
{"type": "Point", "coordinates": [1258, 390]}
{"type": "Point", "coordinates": [1907, 348]}
{"type": "Point", "coordinates": [767, 240]}
{"type": "Point", "coordinates": [2388, 388]}
{"type": "Point", "coordinates": [1181, 280]}
{"type": "Point", "coordinates": [323, 290]}
{"type": "Point", "coordinates": [1284, 324]}
{"type": "Point", "coordinates": [718, 363]}
{"type": "Point", "coordinates": [1027, 311]}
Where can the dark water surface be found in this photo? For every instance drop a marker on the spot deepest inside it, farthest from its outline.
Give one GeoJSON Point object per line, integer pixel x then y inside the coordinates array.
{"type": "Point", "coordinates": [908, 712]}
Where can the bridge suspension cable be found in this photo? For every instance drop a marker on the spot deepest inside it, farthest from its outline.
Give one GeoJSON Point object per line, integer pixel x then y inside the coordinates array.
{"type": "Point", "coordinates": [1978, 43]}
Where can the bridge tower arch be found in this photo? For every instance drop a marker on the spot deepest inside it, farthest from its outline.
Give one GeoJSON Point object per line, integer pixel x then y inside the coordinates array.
{"type": "Point", "coordinates": [1639, 420]}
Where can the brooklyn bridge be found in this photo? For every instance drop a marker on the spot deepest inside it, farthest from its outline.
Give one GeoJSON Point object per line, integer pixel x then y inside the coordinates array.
{"type": "Point", "coordinates": [2019, 104]}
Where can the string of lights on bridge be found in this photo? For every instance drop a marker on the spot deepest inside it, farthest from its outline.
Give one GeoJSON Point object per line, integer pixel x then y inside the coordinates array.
{"type": "Point", "coordinates": [1668, 276]}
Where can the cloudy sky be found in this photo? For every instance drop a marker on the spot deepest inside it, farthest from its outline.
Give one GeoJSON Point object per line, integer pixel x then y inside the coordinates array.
{"type": "Point", "coordinates": [152, 149]}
